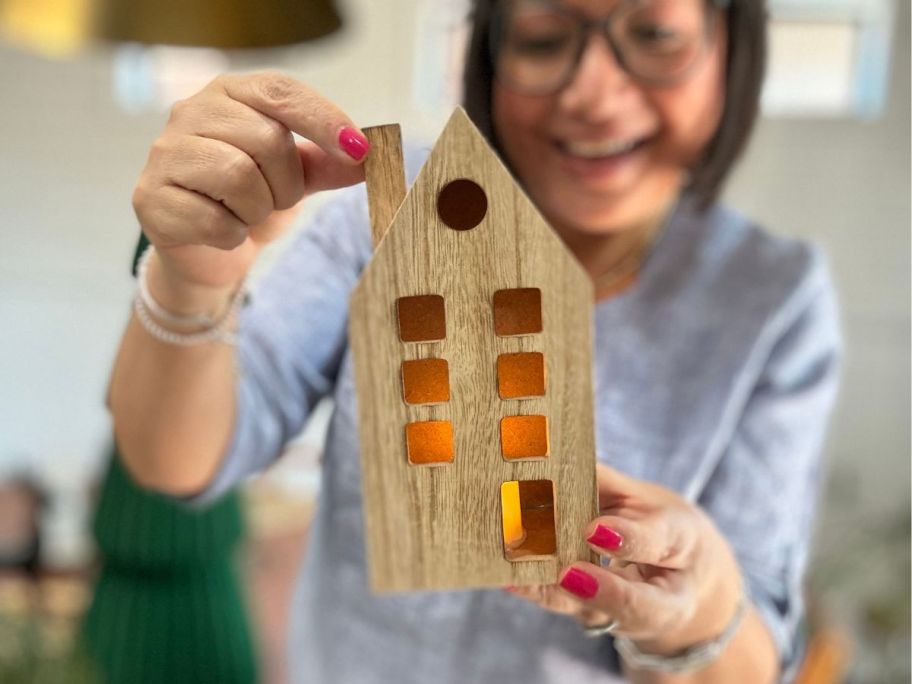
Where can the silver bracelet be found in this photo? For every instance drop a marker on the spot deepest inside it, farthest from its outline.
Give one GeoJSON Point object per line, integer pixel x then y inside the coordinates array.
{"type": "Point", "coordinates": [692, 659]}
{"type": "Point", "coordinates": [147, 310]}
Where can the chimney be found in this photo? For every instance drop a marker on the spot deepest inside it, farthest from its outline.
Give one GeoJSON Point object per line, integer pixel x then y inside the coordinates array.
{"type": "Point", "coordinates": [384, 171]}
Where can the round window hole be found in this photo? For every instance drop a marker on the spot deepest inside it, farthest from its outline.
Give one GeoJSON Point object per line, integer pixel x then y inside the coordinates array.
{"type": "Point", "coordinates": [462, 204]}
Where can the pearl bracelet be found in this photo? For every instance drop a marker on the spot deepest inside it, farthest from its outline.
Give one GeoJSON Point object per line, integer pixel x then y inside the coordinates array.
{"type": "Point", "coordinates": [156, 309]}
{"type": "Point", "coordinates": [148, 310]}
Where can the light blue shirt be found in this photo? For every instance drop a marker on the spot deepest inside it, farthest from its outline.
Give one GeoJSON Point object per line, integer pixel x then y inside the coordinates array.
{"type": "Point", "coordinates": [714, 376]}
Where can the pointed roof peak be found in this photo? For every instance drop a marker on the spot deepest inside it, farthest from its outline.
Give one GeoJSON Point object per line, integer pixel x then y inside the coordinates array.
{"type": "Point", "coordinates": [461, 148]}
{"type": "Point", "coordinates": [459, 114]}
{"type": "Point", "coordinates": [460, 123]}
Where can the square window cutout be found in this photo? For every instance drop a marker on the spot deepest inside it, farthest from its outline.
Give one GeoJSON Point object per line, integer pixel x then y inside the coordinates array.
{"type": "Point", "coordinates": [517, 312]}
{"type": "Point", "coordinates": [421, 318]}
{"type": "Point", "coordinates": [521, 375]}
{"type": "Point", "coordinates": [430, 442]}
{"type": "Point", "coordinates": [524, 437]}
{"type": "Point", "coordinates": [425, 381]}
{"type": "Point", "coordinates": [527, 509]}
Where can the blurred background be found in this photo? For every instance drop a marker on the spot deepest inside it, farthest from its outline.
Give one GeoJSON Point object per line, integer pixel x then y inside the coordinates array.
{"type": "Point", "coordinates": [830, 161]}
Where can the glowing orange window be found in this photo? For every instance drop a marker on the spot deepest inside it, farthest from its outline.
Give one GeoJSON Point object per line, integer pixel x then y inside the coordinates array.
{"type": "Point", "coordinates": [517, 312]}
{"type": "Point", "coordinates": [527, 509]}
{"type": "Point", "coordinates": [521, 375]}
{"type": "Point", "coordinates": [524, 437]}
{"type": "Point", "coordinates": [425, 381]}
{"type": "Point", "coordinates": [430, 442]}
{"type": "Point", "coordinates": [421, 318]}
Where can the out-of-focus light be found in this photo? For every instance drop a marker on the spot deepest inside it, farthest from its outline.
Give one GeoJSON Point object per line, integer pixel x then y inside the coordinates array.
{"type": "Point", "coordinates": [60, 27]}
{"type": "Point", "coordinates": [225, 24]}
{"type": "Point", "coordinates": [56, 28]}
{"type": "Point", "coordinates": [155, 77]}
{"type": "Point", "coordinates": [511, 509]}
{"type": "Point", "coordinates": [828, 58]}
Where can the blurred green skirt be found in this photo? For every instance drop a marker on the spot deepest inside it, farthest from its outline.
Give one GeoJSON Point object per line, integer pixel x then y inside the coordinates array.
{"type": "Point", "coordinates": [167, 605]}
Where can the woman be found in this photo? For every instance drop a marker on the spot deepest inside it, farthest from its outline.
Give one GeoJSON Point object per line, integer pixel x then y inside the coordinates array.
{"type": "Point", "coordinates": [716, 347]}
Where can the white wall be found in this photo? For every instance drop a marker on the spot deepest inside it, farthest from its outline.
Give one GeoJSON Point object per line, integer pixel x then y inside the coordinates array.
{"type": "Point", "coordinates": [69, 158]}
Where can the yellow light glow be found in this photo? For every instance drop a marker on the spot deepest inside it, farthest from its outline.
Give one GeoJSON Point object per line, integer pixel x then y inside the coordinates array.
{"type": "Point", "coordinates": [512, 513]}
{"type": "Point", "coordinates": [52, 27]}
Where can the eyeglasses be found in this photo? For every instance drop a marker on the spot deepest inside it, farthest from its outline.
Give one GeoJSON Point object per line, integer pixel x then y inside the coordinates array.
{"type": "Point", "coordinates": [537, 45]}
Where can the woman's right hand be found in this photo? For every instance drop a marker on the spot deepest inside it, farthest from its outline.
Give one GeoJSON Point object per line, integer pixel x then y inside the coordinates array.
{"type": "Point", "coordinates": [217, 180]}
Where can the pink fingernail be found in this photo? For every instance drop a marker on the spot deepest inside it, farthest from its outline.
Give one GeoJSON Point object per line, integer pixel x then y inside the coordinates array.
{"type": "Point", "coordinates": [606, 538]}
{"type": "Point", "coordinates": [355, 145]}
{"type": "Point", "coordinates": [511, 589]}
{"type": "Point", "coordinates": [580, 583]}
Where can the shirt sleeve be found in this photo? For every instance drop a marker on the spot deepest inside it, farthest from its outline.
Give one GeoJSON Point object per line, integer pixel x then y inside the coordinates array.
{"type": "Point", "coordinates": [291, 338]}
{"type": "Point", "coordinates": [763, 493]}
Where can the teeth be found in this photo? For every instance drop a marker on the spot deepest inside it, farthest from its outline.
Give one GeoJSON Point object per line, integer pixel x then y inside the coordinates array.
{"type": "Point", "coordinates": [602, 148]}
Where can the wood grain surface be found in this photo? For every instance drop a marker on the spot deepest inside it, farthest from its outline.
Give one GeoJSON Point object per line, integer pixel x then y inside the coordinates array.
{"type": "Point", "coordinates": [440, 527]}
{"type": "Point", "coordinates": [384, 169]}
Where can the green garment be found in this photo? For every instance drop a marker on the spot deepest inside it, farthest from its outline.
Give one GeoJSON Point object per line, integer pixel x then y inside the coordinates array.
{"type": "Point", "coordinates": [167, 605]}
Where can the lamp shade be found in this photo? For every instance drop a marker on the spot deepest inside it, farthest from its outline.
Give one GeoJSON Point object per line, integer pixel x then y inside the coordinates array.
{"type": "Point", "coordinates": [216, 23]}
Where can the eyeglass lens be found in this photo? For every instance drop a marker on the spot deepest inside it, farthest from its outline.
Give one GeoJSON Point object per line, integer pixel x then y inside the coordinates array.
{"type": "Point", "coordinates": [540, 42]}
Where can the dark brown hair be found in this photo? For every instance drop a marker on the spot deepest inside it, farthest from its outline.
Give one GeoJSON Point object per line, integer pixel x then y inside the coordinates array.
{"type": "Point", "coordinates": [745, 67]}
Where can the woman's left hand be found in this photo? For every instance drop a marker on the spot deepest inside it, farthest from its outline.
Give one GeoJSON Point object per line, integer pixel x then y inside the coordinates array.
{"type": "Point", "coordinates": [672, 581]}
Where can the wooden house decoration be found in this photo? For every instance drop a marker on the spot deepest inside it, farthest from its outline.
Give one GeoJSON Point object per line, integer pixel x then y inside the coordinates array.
{"type": "Point", "coordinates": [471, 335]}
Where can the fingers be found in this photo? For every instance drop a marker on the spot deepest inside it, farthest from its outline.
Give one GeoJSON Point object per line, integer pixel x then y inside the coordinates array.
{"type": "Point", "coordinates": [639, 607]}
{"type": "Point", "coordinates": [548, 596]}
{"type": "Point", "coordinates": [613, 485]}
{"type": "Point", "coordinates": [257, 113]}
{"type": "Point", "coordinates": [235, 179]}
{"type": "Point", "coordinates": [301, 109]}
{"type": "Point", "coordinates": [643, 522]}
{"type": "Point", "coordinates": [277, 223]}
{"type": "Point", "coordinates": [269, 143]}
{"type": "Point", "coordinates": [552, 598]}
{"type": "Point", "coordinates": [323, 172]}
{"type": "Point", "coordinates": [658, 539]}
{"type": "Point", "coordinates": [177, 208]}
{"type": "Point", "coordinates": [228, 159]}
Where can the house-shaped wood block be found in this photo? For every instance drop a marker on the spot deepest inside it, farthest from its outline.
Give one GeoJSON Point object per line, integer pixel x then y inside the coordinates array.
{"type": "Point", "coordinates": [471, 335]}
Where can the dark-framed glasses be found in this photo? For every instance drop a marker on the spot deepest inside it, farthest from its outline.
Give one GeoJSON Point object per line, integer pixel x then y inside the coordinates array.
{"type": "Point", "coordinates": [537, 45]}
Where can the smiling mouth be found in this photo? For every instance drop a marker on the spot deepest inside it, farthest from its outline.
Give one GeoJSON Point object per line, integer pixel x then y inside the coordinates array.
{"type": "Point", "coordinates": [601, 149]}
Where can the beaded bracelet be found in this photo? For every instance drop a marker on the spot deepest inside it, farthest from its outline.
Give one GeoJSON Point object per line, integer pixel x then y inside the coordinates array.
{"type": "Point", "coordinates": [156, 309]}
{"type": "Point", "coordinates": [147, 310]}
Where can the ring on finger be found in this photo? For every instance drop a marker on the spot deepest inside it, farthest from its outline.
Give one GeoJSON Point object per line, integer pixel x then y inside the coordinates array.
{"type": "Point", "coordinates": [601, 630]}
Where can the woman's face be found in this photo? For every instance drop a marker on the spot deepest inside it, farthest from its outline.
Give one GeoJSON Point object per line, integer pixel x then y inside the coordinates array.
{"type": "Point", "coordinates": [607, 152]}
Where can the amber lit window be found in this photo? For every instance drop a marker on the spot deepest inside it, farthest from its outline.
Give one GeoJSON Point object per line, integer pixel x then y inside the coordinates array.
{"type": "Point", "coordinates": [527, 508]}
{"type": "Point", "coordinates": [517, 312]}
{"type": "Point", "coordinates": [421, 318]}
{"type": "Point", "coordinates": [430, 442]}
{"type": "Point", "coordinates": [521, 375]}
{"type": "Point", "coordinates": [425, 381]}
{"type": "Point", "coordinates": [524, 437]}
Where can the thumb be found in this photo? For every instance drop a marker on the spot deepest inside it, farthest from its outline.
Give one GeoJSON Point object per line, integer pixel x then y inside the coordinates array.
{"type": "Point", "coordinates": [613, 485]}
{"type": "Point", "coordinates": [323, 171]}
{"type": "Point", "coordinates": [275, 224]}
